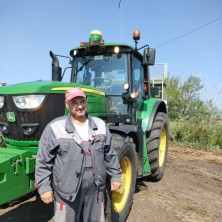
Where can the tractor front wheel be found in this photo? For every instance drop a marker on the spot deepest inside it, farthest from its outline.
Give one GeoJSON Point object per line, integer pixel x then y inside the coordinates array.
{"type": "Point", "coordinates": [122, 199]}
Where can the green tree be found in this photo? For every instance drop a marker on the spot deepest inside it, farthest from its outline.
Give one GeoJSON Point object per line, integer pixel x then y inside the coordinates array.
{"type": "Point", "coordinates": [193, 122]}
{"type": "Point", "coordinates": [184, 98]}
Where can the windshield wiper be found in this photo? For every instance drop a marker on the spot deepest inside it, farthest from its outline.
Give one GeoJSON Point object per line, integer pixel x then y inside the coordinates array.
{"type": "Point", "coordinates": [85, 63]}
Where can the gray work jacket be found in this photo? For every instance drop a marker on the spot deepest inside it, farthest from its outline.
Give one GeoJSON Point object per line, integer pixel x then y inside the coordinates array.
{"type": "Point", "coordinates": [61, 157]}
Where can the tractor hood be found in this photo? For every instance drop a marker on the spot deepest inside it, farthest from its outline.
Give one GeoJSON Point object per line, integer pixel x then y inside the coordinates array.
{"type": "Point", "coordinates": [42, 87]}
{"type": "Point", "coordinates": [26, 108]}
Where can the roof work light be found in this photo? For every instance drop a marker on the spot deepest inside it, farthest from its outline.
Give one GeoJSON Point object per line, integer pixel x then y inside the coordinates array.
{"type": "Point", "coordinates": [94, 39]}
{"type": "Point", "coordinates": [95, 35]}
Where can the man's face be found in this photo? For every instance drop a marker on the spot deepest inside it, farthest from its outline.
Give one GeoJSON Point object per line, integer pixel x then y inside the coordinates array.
{"type": "Point", "coordinates": [77, 107]}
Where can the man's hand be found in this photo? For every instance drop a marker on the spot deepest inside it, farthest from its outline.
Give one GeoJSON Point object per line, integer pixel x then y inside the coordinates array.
{"type": "Point", "coordinates": [115, 185]}
{"type": "Point", "coordinates": [47, 197]}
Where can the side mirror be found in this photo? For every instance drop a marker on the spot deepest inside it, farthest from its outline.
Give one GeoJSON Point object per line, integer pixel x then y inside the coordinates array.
{"type": "Point", "coordinates": [149, 56]}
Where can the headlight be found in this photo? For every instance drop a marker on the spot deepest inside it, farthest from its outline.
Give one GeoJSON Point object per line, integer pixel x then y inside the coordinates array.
{"type": "Point", "coordinates": [134, 95]}
{"type": "Point", "coordinates": [116, 49]}
{"type": "Point", "coordinates": [126, 85]}
{"type": "Point", "coordinates": [1, 101]}
{"type": "Point", "coordinates": [28, 101]}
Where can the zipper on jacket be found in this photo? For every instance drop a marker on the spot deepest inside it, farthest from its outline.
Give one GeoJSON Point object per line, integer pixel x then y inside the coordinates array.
{"type": "Point", "coordinates": [82, 169]}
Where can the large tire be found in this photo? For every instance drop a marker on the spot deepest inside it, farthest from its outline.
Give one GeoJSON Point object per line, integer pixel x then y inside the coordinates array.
{"type": "Point", "coordinates": [123, 198]}
{"type": "Point", "coordinates": [157, 146]}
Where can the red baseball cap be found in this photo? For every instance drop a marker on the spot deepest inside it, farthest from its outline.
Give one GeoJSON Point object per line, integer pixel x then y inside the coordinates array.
{"type": "Point", "coordinates": [74, 92]}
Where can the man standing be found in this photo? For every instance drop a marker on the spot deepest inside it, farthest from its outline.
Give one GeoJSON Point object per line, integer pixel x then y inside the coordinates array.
{"type": "Point", "coordinates": [75, 154]}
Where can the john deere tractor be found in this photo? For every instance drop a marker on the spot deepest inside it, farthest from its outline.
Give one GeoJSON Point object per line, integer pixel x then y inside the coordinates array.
{"type": "Point", "coordinates": [115, 77]}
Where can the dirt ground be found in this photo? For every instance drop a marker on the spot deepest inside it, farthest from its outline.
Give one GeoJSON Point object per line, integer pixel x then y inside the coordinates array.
{"type": "Point", "coordinates": [191, 191]}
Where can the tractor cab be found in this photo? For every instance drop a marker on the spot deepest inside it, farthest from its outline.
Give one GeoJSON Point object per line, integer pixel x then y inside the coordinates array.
{"type": "Point", "coordinates": [117, 69]}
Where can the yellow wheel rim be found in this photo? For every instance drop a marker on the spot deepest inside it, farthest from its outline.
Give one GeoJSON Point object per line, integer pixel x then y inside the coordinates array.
{"type": "Point", "coordinates": [120, 196]}
{"type": "Point", "coordinates": [162, 148]}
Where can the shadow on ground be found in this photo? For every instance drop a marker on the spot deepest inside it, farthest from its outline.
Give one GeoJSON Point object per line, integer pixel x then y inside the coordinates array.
{"type": "Point", "coordinates": [33, 210]}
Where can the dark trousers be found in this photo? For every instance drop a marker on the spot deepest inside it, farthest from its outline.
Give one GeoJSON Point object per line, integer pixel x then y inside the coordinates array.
{"type": "Point", "coordinates": [87, 207]}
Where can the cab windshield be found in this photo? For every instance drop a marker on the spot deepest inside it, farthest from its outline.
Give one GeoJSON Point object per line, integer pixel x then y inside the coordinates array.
{"type": "Point", "coordinates": [105, 72]}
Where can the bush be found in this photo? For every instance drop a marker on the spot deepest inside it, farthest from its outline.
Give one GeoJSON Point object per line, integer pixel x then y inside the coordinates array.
{"type": "Point", "coordinates": [200, 133]}
{"type": "Point", "coordinates": [215, 137]}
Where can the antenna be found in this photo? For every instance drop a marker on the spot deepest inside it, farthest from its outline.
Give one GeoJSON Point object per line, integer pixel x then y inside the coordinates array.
{"type": "Point", "coordinates": [121, 20]}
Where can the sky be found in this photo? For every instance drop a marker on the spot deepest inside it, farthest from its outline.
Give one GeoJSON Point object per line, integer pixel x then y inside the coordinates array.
{"type": "Point", "coordinates": [187, 35]}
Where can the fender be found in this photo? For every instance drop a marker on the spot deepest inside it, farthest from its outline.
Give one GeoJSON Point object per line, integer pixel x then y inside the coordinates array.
{"type": "Point", "coordinates": [147, 110]}
{"type": "Point", "coordinates": [146, 113]}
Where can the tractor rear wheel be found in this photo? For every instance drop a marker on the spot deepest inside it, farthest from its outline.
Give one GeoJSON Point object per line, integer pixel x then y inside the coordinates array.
{"type": "Point", "coordinates": [122, 199]}
{"type": "Point", "coordinates": [157, 146]}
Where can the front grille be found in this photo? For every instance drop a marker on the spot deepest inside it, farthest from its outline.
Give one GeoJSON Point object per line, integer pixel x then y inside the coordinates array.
{"type": "Point", "coordinates": [52, 108]}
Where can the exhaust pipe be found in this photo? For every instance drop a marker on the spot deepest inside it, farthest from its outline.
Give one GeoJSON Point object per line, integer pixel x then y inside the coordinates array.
{"type": "Point", "coordinates": [56, 69]}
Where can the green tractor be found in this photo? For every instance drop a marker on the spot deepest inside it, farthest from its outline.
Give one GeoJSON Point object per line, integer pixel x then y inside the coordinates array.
{"type": "Point", "coordinates": [115, 77]}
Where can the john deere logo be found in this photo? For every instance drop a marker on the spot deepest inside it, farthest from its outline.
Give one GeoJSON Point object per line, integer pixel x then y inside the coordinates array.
{"type": "Point", "coordinates": [10, 116]}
